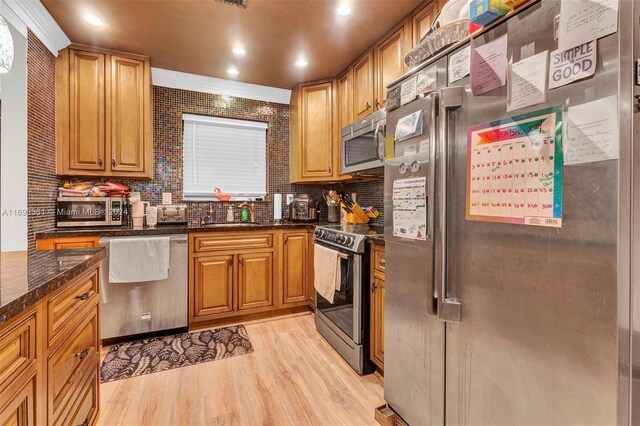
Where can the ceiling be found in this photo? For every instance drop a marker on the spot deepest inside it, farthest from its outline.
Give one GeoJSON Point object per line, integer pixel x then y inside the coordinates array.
{"type": "Point", "coordinates": [196, 36]}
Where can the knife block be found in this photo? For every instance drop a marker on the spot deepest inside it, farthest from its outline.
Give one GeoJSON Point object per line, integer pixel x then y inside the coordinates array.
{"type": "Point", "coordinates": [358, 215]}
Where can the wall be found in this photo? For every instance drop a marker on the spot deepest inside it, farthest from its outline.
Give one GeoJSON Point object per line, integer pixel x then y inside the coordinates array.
{"type": "Point", "coordinates": [41, 137]}
{"type": "Point", "coordinates": [169, 105]}
{"type": "Point", "coordinates": [13, 155]}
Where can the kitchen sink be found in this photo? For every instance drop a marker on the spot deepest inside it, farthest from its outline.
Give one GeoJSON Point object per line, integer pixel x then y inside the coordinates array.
{"type": "Point", "coordinates": [229, 224]}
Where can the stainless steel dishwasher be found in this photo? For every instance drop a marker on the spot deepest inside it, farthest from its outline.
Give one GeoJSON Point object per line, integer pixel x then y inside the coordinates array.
{"type": "Point", "coordinates": [128, 309]}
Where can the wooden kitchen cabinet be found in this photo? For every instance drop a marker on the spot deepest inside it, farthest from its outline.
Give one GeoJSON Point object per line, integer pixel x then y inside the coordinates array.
{"type": "Point", "coordinates": [246, 275]}
{"type": "Point", "coordinates": [314, 133]}
{"type": "Point", "coordinates": [67, 243]}
{"type": "Point", "coordinates": [389, 63]}
{"type": "Point", "coordinates": [44, 370]}
{"type": "Point", "coordinates": [255, 280]}
{"type": "Point", "coordinates": [295, 275]}
{"type": "Point", "coordinates": [421, 21]}
{"type": "Point", "coordinates": [363, 86]}
{"type": "Point", "coordinates": [311, 285]}
{"type": "Point", "coordinates": [344, 99]}
{"type": "Point", "coordinates": [103, 113]}
{"type": "Point", "coordinates": [213, 290]}
{"type": "Point", "coordinates": [377, 300]}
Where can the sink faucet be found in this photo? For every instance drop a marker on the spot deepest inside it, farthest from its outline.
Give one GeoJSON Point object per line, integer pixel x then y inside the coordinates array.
{"type": "Point", "coordinates": [210, 217]}
{"type": "Point", "coordinates": [252, 215]}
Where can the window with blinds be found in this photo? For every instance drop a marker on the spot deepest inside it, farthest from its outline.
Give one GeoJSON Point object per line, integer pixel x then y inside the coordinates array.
{"type": "Point", "coordinates": [224, 153]}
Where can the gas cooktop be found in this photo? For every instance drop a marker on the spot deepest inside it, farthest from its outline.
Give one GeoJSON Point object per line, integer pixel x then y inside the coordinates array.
{"type": "Point", "coordinates": [345, 236]}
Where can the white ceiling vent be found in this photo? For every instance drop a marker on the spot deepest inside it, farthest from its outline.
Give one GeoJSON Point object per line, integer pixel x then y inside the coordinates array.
{"type": "Point", "coordinates": [239, 3]}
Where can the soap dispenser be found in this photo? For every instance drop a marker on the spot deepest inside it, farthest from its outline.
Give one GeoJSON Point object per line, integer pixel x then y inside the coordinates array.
{"type": "Point", "coordinates": [230, 217]}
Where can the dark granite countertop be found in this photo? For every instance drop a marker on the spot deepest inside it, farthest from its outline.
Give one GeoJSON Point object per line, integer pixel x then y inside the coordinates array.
{"type": "Point", "coordinates": [26, 278]}
{"type": "Point", "coordinates": [171, 229]}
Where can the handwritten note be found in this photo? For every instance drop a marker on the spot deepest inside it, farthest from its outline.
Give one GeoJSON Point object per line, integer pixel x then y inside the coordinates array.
{"type": "Point", "coordinates": [584, 20]}
{"type": "Point", "coordinates": [408, 91]}
{"type": "Point", "coordinates": [488, 66]}
{"type": "Point", "coordinates": [573, 64]}
{"type": "Point", "coordinates": [592, 132]}
{"type": "Point", "coordinates": [528, 82]}
{"type": "Point", "coordinates": [459, 64]}
{"type": "Point", "coordinates": [426, 80]}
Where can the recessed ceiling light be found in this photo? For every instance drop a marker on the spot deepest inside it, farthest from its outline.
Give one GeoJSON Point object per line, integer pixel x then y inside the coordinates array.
{"type": "Point", "coordinates": [344, 9]}
{"type": "Point", "coordinates": [93, 20]}
{"type": "Point", "coordinates": [301, 63]}
{"type": "Point", "coordinates": [232, 71]}
{"type": "Point", "coordinates": [238, 50]}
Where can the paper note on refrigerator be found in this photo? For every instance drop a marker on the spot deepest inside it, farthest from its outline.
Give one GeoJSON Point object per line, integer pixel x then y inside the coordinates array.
{"type": "Point", "coordinates": [567, 66]}
{"type": "Point", "coordinates": [528, 82]}
{"type": "Point", "coordinates": [408, 91]}
{"type": "Point", "coordinates": [459, 64]}
{"type": "Point", "coordinates": [410, 208]}
{"type": "Point", "coordinates": [426, 80]}
{"type": "Point", "coordinates": [592, 133]}
{"type": "Point", "coordinates": [488, 65]}
{"type": "Point", "coordinates": [514, 170]}
{"type": "Point", "coordinates": [582, 21]}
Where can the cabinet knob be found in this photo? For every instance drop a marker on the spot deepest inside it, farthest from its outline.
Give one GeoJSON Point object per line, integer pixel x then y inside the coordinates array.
{"type": "Point", "coordinates": [373, 288]}
{"type": "Point", "coordinates": [85, 423]}
{"type": "Point", "coordinates": [82, 355]}
{"type": "Point", "coordinates": [241, 261]}
{"type": "Point", "coordinates": [83, 296]}
{"type": "Point", "coordinates": [99, 162]}
{"type": "Point", "coordinates": [368, 106]}
{"type": "Point", "coordinates": [113, 162]}
{"type": "Point", "coordinates": [230, 262]}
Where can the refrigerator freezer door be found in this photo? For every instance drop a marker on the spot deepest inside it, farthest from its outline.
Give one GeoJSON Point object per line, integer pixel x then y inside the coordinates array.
{"type": "Point", "coordinates": [537, 340]}
{"type": "Point", "coordinates": [414, 338]}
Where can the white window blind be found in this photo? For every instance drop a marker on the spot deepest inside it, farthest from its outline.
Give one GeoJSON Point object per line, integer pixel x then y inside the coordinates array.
{"type": "Point", "coordinates": [225, 153]}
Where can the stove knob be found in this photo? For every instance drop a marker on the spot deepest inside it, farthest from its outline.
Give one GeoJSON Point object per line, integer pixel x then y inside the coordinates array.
{"type": "Point", "coordinates": [350, 241]}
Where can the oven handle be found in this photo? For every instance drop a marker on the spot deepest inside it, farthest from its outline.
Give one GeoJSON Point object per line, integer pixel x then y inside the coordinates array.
{"type": "Point", "coordinates": [376, 140]}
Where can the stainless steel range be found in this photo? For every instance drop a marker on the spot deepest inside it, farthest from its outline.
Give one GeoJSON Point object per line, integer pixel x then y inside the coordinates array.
{"type": "Point", "coordinates": [344, 323]}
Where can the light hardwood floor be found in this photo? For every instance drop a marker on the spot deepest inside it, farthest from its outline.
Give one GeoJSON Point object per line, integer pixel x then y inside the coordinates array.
{"type": "Point", "coordinates": [293, 377]}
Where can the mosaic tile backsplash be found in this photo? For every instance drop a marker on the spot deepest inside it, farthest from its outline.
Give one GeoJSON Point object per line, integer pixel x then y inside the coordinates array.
{"type": "Point", "coordinates": [168, 107]}
{"type": "Point", "coordinates": [42, 182]}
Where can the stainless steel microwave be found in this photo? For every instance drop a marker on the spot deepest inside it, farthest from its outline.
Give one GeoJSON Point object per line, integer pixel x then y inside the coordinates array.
{"type": "Point", "coordinates": [362, 143]}
{"type": "Point", "coordinates": [89, 211]}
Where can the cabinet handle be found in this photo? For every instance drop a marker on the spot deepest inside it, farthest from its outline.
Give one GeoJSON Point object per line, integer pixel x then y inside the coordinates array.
{"type": "Point", "coordinates": [330, 170]}
{"type": "Point", "coordinates": [82, 355]}
{"type": "Point", "coordinates": [99, 162]}
{"type": "Point", "coordinates": [230, 262]}
{"type": "Point", "coordinates": [113, 162]}
{"type": "Point", "coordinates": [381, 264]}
{"type": "Point", "coordinates": [83, 296]}
{"type": "Point", "coordinates": [368, 106]}
{"type": "Point", "coordinates": [378, 103]}
{"type": "Point", "coordinates": [373, 288]}
{"type": "Point", "coordinates": [241, 261]}
{"type": "Point", "coordinates": [85, 423]}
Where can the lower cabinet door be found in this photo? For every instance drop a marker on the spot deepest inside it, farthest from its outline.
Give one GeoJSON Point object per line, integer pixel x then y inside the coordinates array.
{"type": "Point", "coordinates": [85, 409]}
{"type": "Point", "coordinates": [213, 285]}
{"type": "Point", "coordinates": [255, 280]}
{"type": "Point", "coordinates": [377, 321]}
{"type": "Point", "coordinates": [295, 268]}
{"type": "Point", "coordinates": [20, 409]}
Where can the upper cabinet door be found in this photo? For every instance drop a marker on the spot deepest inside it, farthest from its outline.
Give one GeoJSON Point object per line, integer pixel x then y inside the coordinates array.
{"type": "Point", "coordinates": [86, 111]}
{"type": "Point", "coordinates": [127, 114]}
{"type": "Point", "coordinates": [421, 21]}
{"type": "Point", "coordinates": [389, 64]}
{"type": "Point", "coordinates": [316, 141]}
{"type": "Point", "coordinates": [363, 98]}
{"type": "Point", "coordinates": [345, 99]}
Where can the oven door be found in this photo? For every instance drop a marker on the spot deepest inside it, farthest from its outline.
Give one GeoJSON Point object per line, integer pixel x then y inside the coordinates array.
{"type": "Point", "coordinates": [363, 149]}
{"type": "Point", "coordinates": [345, 313]}
{"type": "Point", "coordinates": [80, 211]}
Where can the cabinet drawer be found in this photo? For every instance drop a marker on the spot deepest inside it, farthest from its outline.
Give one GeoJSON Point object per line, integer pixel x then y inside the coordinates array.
{"type": "Point", "coordinates": [84, 409]}
{"type": "Point", "coordinates": [378, 259]}
{"type": "Point", "coordinates": [63, 307]}
{"type": "Point", "coordinates": [17, 349]}
{"type": "Point", "coordinates": [70, 361]}
{"type": "Point", "coordinates": [238, 241]}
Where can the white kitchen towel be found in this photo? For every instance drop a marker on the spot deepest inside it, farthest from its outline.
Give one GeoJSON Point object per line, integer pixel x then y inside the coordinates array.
{"type": "Point", "coordinates": [327, 272]}
{"type": "Point", "coordinates": [139, 259]}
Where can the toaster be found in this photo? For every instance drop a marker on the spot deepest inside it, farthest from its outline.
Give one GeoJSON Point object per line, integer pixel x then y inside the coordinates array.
{"type": "Point", "coordinates": [303, 208]}
{"type": "Point", "coordinates": [171, 214]}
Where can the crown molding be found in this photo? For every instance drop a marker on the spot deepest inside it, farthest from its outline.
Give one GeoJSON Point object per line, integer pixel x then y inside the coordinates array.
{"type": "Point", "coordinates": [219, 86]}
{"type": "Point", "coordinates": [38, 19]}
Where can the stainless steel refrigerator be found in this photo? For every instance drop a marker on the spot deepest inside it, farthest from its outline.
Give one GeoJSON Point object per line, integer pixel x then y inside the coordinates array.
{"type": "Point", "coordinates": [499, 323]}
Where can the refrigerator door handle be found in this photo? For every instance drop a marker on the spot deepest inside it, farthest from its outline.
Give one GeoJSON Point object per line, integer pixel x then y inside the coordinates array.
{"type": "Point", "coordinates": [432, 305]}
{"type": "Point", "coordinates": [449, 307]}
{"type": "Point", "coordinates": [376, 140]}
